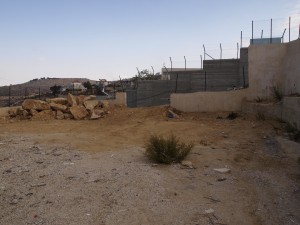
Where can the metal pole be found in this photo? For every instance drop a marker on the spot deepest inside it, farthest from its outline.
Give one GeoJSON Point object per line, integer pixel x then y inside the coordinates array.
{"type": "Point", "coordinates": [201, 61]}
{"type": "Point", "coordinates": [289, 29]}
{"type": "Point", "coordinates": [271, 30]}
{"type": "Point", "coordinates": [220, 51]}
{"type": "Point", "coordinates": [152, 70]}
{"type": "Point", "coordinates": [252, 33]}
{"type": "Point", "coordinates": [204, 51]}
{"type": "Point", "coordinates": [176, 83]}
{"type": "Point", "coordinates": [262, 33]}
{"type": "Point", "coordinates": [241, 39]}
{"type": "Point", "coordinates": [171, 64]}
{"type": "Point", "coordinates": [205, 80]}
{"type": "Point", "coordinates": [121, 84]}
{"type": "Point", "coordinates": [184, 63]}
{"type": "Point", "coordinates": [244, 77]}
{"type": "Point", "coordinates": [283, 35]}
{"type": "Point", "coordinates": [9, 94]}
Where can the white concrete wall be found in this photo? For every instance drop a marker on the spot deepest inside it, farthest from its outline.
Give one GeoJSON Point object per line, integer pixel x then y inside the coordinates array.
{"type": "Point", "coordinates": [269, 65]}
{"type": "Point", "coordinates": [209, 101]}
{"type": "Point", "coordinates": [274, 65]}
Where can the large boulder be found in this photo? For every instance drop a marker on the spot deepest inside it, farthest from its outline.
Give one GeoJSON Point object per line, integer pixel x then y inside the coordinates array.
{"type": "Point", "coordinates": [72, 100]}
{"type": "Point", "coordinates": [38, 105]}
{"type": "Point", "coordinates": [91, 104]}
{"type": "Point", "coordinates": [62, 101]}
{"type": "Point", "coordinates": [78, 112]}
{"type": "Point", "coordinates": [58, 107]}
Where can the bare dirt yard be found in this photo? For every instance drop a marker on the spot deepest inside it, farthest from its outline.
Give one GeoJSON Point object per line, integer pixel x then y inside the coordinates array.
{"type": "Point", "coordinates": [95, 172]}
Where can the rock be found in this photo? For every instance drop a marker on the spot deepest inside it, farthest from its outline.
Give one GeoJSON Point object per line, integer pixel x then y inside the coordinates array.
{"type": "Point", "coordinates": [13, 112]}
{"type": "Point", "coordinates": [104, 104]}
{"type": "Point", "coordinates": [90, 97]}
{"type": "Point", "coordinates": [187, 164]}
{"type": "Point", "coordinates": [68, 116]}
{"type": "Point", "coordinates": [14, 201]}
{"type": "Point", "coordinates": [222, 170]}
{"type": "Point", "coordinates": [62, 101]}
{"type": "Point", "coordinates": [72, 100]}
{"type": "Point", "coordinates": [58, 107]}
{"type": "Point", "coordinates": [81, 99]}
{"type": "Point", "coordinates": [79, 112]}
{"type": "Point", "coordinates": [95, 116]}
{"type": "Point", "coordinates": [97, 113]}
{"type": "Point", "coordinates": [91, 104]}
{"type": "Point", "coordinates": [209, 211]}
{"type": "Point", "coordinates": [44, 115]}
{"type": "Point", "coordinates": [171, 114]}
{"type": "Point", "coordinates": [60, 115]}
{"type": "Point", "coordinates": [33, 112]}
{"type": "Point", "coordinates": [221, 179]}
{"type": "Point", "coordinates": [38, 105]}
{"type": "Point", "coordinates": [25, 113]}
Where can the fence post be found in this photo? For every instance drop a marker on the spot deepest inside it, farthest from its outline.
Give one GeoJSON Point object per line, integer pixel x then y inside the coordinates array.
{"type": "Point", "coordinates": [9, 94]}
{"type": "Point", "coordinates": [271, 30]}
{"type": "Point", "coordinates": [289, 29]}
{"type": "Point", "coordinates": [205, 80]}
{"type": "Point", "coordinates": [252, 33]}
{"type": "Point", "coordinates": [244, 77]}
{"type": "Point", "coordinates": [176, 83]}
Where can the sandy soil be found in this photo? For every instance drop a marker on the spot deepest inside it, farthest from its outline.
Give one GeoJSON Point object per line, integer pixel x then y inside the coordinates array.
{"type": "Point", "coordinates": [95, 172]}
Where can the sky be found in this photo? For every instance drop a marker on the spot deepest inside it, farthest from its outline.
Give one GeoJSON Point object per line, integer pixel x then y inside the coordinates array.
{"type": "Point", "coordinates": [99, 39]}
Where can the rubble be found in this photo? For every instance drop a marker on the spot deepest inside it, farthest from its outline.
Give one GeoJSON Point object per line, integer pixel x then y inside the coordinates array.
{"type": "Point", "coordinates": [73, 107]}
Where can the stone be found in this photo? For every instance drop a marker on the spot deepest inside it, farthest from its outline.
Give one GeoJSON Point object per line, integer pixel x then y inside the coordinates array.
{"type": "Point", "coordinates": [104, 104]}
{"type": "Point", "coordinates": [33, 112]}
{"type": "Point", "coordinates": [79, 112]}
{"type": "Point", "coordinates": [187, 164]}
{"type": "Point", "coordinates": [91, 104]}
{"type": "Point", "coordinates": [222, 170]}
{"type": "Point", "coordinates": [209, 211]}
{"type": "Point", "coordinates": [14, 201]}
{"type": "Point", "coordinates": [58, 107]}
{"type": "Point", "coordinates": [81, 99]}
{"type": "Point", "coordinates": [25, 113]}
{"type": "Point", "coordinates": [62, 101]}
{"type": "Point", "coordinates": [13, 112]}
{"type": "Point", "coordinates": [72, 100]}
{"type": "Point", "coordinates": [60, 115]}
{"type": "Point", "coordinates": [90, 97]}
{"type": "Point", "coordinates": [68, 116]}
{"type": "Point", "coordinates": [97, 113]}
{"type": "Point", "coordinates": [44, 115]}
{"type": "Point", "coordinates": [38, 105]}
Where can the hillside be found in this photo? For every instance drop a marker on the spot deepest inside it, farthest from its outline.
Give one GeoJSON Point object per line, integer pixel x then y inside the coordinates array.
{"type": "Point", "coordinates": [44, 85]}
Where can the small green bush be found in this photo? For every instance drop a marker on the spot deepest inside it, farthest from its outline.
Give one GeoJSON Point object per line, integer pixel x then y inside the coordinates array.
{"type": "Point", "coordinates": [169, 150]}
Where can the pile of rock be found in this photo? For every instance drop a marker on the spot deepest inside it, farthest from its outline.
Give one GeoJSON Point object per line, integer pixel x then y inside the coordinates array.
{"type": "Point", "coordinates": [73, 107]}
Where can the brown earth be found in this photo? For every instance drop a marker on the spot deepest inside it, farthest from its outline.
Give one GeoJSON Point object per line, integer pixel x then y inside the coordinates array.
{"type": "Point", "coordinates": [95, 172]}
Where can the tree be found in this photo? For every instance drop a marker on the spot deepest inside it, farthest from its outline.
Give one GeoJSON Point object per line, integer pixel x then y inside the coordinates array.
{"type": "Point", "coordinates": [55, 89]}
{"type": "Point", "coordinates": [146, 75]}
{"type": "Point", "coordinates": [87, 85]}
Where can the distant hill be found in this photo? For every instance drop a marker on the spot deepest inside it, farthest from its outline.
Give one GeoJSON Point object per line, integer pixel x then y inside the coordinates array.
{"type": "Point", "coordinates": [43, 84]}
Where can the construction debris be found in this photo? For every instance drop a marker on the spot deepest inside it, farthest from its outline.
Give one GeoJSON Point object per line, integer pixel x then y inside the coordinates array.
{"type": "Point", "coordinates": [73, 107]}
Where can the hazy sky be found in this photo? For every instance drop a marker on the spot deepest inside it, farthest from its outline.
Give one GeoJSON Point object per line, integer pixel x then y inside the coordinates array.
{"type": "Point", "coordinates": [105, 39]}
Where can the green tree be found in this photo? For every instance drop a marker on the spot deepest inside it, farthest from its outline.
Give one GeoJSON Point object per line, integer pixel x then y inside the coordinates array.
{"type": "Point", "coordinates": [55, 89]}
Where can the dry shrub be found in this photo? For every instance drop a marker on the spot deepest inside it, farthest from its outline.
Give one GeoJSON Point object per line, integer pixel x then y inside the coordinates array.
{"type": "Point", "coordinates": [167, 150]}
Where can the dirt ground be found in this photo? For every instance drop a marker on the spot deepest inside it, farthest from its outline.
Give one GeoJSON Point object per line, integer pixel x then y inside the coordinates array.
{"type": "Point", "coordinates": [95, 172]}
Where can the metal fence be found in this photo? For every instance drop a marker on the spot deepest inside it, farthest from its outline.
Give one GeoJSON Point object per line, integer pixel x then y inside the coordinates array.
{"type": "Point", "coordinates": [14, 95]}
